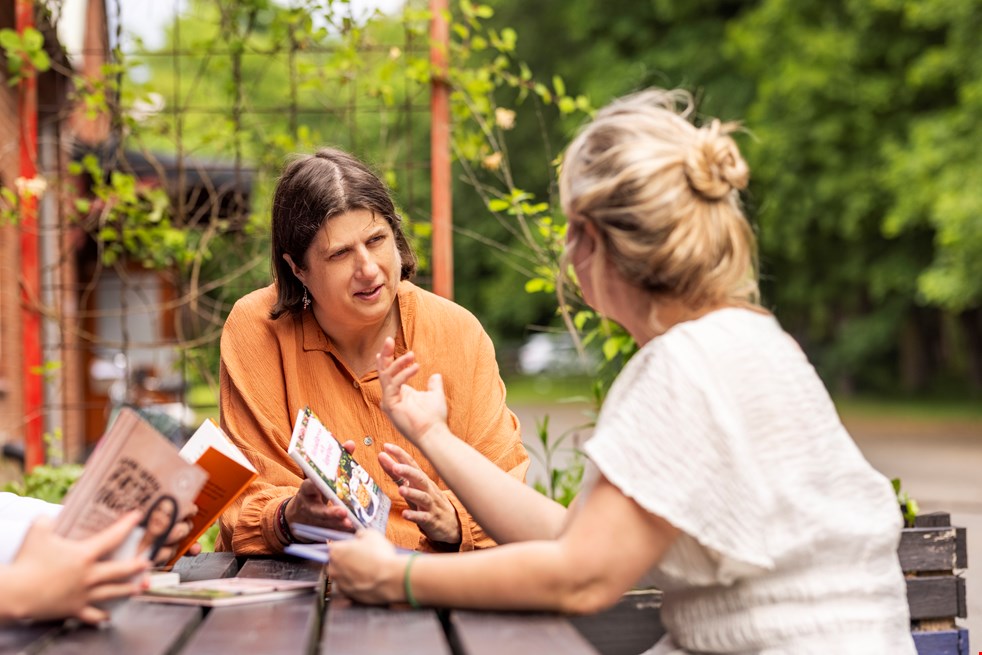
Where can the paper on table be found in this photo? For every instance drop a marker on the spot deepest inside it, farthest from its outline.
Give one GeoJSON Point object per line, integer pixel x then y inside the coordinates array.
{"type": "Point", "coordinates": [228, 591]}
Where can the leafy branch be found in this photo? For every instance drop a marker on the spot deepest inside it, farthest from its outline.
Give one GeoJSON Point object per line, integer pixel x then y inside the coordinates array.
{"type": "Point", "coordinates": [25, 54]}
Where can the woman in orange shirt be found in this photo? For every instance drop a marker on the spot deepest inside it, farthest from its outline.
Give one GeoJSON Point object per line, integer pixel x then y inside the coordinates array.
{"type": "Point", "coordinates": [342, 286]}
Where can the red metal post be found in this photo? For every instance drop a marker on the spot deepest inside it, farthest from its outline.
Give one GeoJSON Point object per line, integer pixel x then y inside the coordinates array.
{"type": "Point", "coordinates": [30, 273]}
{"type": "Point", "coordinates": [442, 209]}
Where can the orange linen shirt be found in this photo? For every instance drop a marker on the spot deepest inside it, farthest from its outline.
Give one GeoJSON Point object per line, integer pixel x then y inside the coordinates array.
{"type": "Point", "coordinates": [270, 369]}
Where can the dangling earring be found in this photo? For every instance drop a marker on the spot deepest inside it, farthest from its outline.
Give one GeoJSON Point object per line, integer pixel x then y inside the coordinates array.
{"type": "Point", "coordinates": [306, 299]}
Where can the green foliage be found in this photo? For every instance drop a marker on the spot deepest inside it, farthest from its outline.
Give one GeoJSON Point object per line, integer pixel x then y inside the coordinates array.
{"type": "Point", "coordinates": [134, 221]}
{"type": "Point", "coordinates": [863, 118]}
{"type": "Point", "coordinates": [9, 206]}
{"type": "Point", "coordinates": [25, 54]}
{"type": "Point", "coordinates": [928, 162]}
{"type": "Point", "coordinates": [209, 538]}
{"type": "Point", "coordinates": [47, 482]}
{"type": "Point", "coordinates": [908, 506]}
{"type": "Point", "coordinates": [51, 481]}
{"type": "Point", "coordinates": [863, 125]}
{"type": "Point", "coordinates": [562, 482]}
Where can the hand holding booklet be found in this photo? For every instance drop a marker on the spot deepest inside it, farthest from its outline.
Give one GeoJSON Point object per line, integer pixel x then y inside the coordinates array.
{"type": "Point", "coordinates": [132, 467]}
{"type": "Point", "coordinates": [319, 551]}
{"type": "Point", "coordinates": [136, 467]}
{"type": "Point", "coordinates": [335, 472]}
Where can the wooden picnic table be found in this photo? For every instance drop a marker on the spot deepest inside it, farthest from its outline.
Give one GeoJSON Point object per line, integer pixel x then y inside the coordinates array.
{"type": "Point", "coordinates": [312, 623]}
{"type": "Point", "coordinates": [932, 555]}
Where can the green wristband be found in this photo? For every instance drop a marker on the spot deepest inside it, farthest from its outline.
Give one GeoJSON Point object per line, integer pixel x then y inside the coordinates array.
{"type": "Point", "coordinates": [405, 582]}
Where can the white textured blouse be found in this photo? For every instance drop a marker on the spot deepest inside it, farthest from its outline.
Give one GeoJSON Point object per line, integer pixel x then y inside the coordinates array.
{"type": "Point", "coordinates": [16, 515]}
{"type": "Point", "coordinates": [788, 537]}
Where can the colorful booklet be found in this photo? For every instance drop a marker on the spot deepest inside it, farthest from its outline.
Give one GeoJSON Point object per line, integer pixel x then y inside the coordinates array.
{"type": "Point", "coordinates": [229, 473]}
{"type": "Point", "coordinates": [338, 476]}
{"type": "Point", "coordinates": [228, 591]}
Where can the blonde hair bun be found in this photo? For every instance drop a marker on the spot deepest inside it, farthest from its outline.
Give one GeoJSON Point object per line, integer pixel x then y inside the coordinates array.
{"type": "Point", "coordinates": [713, 164]}
{"type": "Point", "coordinates": [662, 195]}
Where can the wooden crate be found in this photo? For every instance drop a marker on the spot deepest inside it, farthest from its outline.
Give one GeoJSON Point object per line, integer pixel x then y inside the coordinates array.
{"type": "Point", "coordinates": [933, 555]}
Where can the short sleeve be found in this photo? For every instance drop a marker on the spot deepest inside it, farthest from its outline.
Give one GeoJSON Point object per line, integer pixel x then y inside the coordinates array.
{"type": "Point", "coordinates": [672, 440]}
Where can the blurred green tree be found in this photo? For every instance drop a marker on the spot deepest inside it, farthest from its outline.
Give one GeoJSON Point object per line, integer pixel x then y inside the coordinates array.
{"type": "Point", "coordinates": [870, 235]}
{"type": "Point", "coordinates": [862, 142]}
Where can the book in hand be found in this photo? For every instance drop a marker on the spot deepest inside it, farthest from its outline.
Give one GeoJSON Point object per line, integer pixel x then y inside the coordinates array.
{"type": "Point", "coordinates": [338, 476]}
{"type": "Point", "coordinates": [133, 467]}
{"type": "Point", "coordinates": [229, 473]}
{"type": "Point", "coordinates": [228, 591]}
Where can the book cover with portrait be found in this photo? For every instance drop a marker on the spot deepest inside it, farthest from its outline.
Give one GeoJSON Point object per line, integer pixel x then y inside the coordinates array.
{"type": "Point", "coordinates": [133, 467]}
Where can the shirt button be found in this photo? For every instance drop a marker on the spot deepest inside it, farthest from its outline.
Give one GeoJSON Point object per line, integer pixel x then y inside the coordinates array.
{"type": "Point", "coordinates": [356, 385]}
{"type": "Point", "coordinates": [368, 440]}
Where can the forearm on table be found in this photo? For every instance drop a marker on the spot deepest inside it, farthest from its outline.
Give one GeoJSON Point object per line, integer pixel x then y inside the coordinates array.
{"type": "Point", "coordinates": [608, 545]}
{"type": "Point", "coordinates": [538, 575]}
{"type": "Point", "coordinates": [507, 508]}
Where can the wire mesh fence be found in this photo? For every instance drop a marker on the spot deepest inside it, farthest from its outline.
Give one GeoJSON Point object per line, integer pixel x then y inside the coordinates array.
{"type": "Point", "coordinates": [163, 158]}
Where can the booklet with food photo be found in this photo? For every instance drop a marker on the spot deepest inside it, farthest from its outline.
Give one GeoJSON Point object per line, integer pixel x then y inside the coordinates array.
{"type": "Point", "coordinates": [228, 591]}
{"type": "Point", "coordinates": [229, 473]}
{"type": "Point", "coordinates": [133, 467]}
{"type": "Point", "coordinates": [338, 476]}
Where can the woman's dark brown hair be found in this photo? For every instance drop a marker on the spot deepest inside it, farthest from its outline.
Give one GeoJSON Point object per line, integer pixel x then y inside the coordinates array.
{"type": "Point", "coordinates": [160, 539]}
{"type": "Point", "coordinates": [313, 189]}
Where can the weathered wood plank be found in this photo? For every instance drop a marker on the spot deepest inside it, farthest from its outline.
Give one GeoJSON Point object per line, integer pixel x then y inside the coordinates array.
{"type": "Point", "coordinates": [961, 548]}
{"type": "Point", "coordinates": [282, 569]}
{"type": "Point", "coordinates": [932, 520]}
{"type": "Point", "coordinates": [936, 596]}
{"type": "Point", "coordinates": [947, 642]}
{"type": "Point", "coordinates": [932, 549]}
{"type": "Point", "coordinates": [206, 566]}
{"type": "Point", "coordinates": [631, 626]}
{"type": "Point", "coordinates": [497, 633]}
{"type": "Point", "coordinates": [351, 629]}
{"type": "Point", "coordinates": [284, 627]}
{"type": "Point", "coordinates": [136, 628]}
{"type": "Point", "coordinates": [27, 638]}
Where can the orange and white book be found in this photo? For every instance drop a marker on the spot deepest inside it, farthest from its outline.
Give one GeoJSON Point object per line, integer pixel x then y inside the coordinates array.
{"type": "Point", "coordinates": [229, 473]}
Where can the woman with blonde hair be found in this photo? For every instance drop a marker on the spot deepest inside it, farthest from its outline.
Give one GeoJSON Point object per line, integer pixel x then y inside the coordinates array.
{"type": "Point", "coordinates": [719, 470]}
